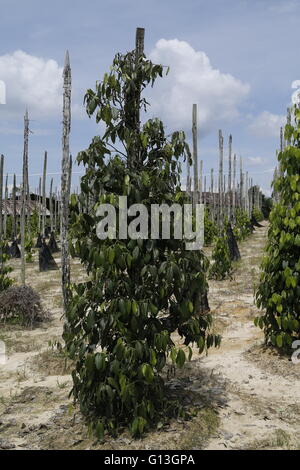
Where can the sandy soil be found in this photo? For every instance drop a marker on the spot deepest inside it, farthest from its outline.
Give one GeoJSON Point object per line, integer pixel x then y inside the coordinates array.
{"type": "Point", "coordinates": [244, 395]}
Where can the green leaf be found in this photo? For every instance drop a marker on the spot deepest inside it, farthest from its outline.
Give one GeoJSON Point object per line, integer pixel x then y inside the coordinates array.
{"type": "Point", "coordinates": [180, 359]}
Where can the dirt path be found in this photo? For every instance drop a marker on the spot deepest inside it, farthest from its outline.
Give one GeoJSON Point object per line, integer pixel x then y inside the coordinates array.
{"type": "Point", "coordinates": [262, 389]}
{"type": "Point", "coordinates": [245, 397]}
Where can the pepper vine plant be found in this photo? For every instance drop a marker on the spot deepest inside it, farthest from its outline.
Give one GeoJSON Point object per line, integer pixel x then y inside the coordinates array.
{"type": "Point", "coordinates": [279, 289]}
{"type": "Point", "coordinates": [120, 321]}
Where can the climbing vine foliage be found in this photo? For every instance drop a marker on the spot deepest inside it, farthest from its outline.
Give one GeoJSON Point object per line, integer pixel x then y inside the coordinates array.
{"type": "Point", "coordinates": [279, 289]}
{"type": "Point", "coordinates": [221, 266]}
{"type": "Point", "coordinates": [121, 320]}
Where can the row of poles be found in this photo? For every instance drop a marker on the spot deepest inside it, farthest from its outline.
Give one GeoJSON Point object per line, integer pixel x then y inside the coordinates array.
{"type": "Point", "coordinates": [21, 205]}
{"type": "Point", "coordinates": [11, 205]}
{"type": "Point", "coordinates": [224, 194]}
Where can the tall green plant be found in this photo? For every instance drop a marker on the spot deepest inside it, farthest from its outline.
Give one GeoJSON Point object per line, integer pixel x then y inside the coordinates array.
{"type": "Point", "coordinates": [5, 280]}
{"type": "Point", "coordinates": [120, 322]}
{"type": "Point", "coordinates": [242, 228]}
{"type": "Point", "coordinates": [221, 266]}
{"type": "Point", "coordinates": [210, 229]}
{"type": "Point", "coordinates": [279, 289]}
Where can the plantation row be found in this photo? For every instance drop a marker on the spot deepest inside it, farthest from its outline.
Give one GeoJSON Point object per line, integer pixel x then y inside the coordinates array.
{"type": "Point", "coordinates": [120, 321]}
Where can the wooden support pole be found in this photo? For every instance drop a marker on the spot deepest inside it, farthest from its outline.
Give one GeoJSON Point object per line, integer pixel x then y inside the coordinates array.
{"type": "Point", "coordinates": [40, 206]}
{"type": "Point", "coordinates": [229, 179]}
{"type": "Point", "coordinates": [14, 209]}
{"type": "Point", "coordinates": [24, 196]}
{"type": "Point", "coordinates": [241, 184]}
{"type": "Point", "coordinates": [44, 205]}
{"type": "Point", "coordinates": [195, 152]}
{"type": "Point", "coordinates": [65, 260]}
{"type": "Point", "coordinates": [221, 156]}
{"type": "Point", "coordinates": [1, 208]}
{"type": "Point", "coordinates": [5, 208]}
{"type": "Point", "coordinates": [51, 205]}
{"type": "Point", "coordinates": [234, 189]}
{"type": "Point", "coordinates": [200, 181]}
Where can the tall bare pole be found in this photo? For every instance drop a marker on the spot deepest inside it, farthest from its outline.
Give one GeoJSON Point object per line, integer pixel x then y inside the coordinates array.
{"type": "Point", "coordinates": [44, 205]}
{"type": "Point", "coordinates": [51, 205]}
{"type": "Point", "coordinates": [24, 195]}
{"type": "Point", "coordinates": [233, 189]}
{"type": "Point", "coordinates": [229, 179]}
{"type": "Point", "coordinates": [241, 184]}
{"type": "Point", "coordinates": [70, 175]}
{"type": "Point", "coordinates": [139, 51]}
{"type": "Point", "coordinates": [1, 207]}
{"type": "Point", "coordinates": [65, 260]}
{"type": "Point", "coordinates": [5, 208]}
{"type": "Point", "coordinates": [195, 151]}
{"type": "Point", "coordinates": [221, 156]}
{"type": "Point", "coordinates": [212, 194]}
{"type": "Point", "coordinates": [200, 181]}
{"type": "Point", "coordinates": [40, 206]}
{"type": "Point", "coordinates": [14, 209]}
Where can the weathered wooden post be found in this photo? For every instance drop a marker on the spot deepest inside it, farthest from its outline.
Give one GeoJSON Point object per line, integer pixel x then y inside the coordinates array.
{"type": "Point", "coordinates": [229, 199]}
{"type": "Point", "coordinates": [65, 261]}
{"type": "Point", "coordinates": [220, 188]}
{"type": "Point", "coordinates": [5, 208]}
{"type": "Point", "coordinates": [1, 207]}
{"type": "Point", "coordinates": [289, 120]}
{"type": "Point", "coordinates": [139, 51]}
{"type": "Point", "coordinates": [195, 154]}
{"type": "Point", "coordinates": [44, 205]}
{"type": "Point", "coordinates": [70, 175]}
{"type": "Point", "coordinates": [188, 177]}
{"type": "Point", "coordinates": [241, 184]}
{"type": "Point", "coordinates": [200, 181]}
{"type": "Point", "coordinates": [51, 205]}
{"type": "Point", "coordinates": [24, 194]}
{"type": "Point", "coordinates": [234, 189]}
{"type": "Point", "coordinates": [212, 194]}
{"type": "Point", "coordinates": [14, 209]}
{"type": "Point", "coordinates": [40, 206]}
{"type": "Point", "coordinates": [247, 194]}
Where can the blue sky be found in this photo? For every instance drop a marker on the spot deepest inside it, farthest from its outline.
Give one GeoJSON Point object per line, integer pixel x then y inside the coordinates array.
{"type": "Point", "coordinates": [236, 59]}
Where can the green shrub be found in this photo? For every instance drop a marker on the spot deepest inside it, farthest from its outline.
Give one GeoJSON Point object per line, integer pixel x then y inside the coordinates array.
{"type": "Point", "coordinates": [279, 290]}
{"type": "Point", "coordinates": [242, 228]}
{"type": "Point", "coordinates": [257, 214]}
{"type": "Point", "coordinates": [120, 322]}
{"type": "Point", "coordinates": [5, 280]}
{"type": "Point", "coordinates": [221, 266]}
{"type": "Point", "coordinates": [210, 229]}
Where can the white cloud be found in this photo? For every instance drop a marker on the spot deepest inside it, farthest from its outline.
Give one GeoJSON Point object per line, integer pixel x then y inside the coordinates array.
{"type": "Point", "coordinates": [192, 79]}
{"type": "Point", "coordinates": [33, 82]}
{"type": "Point", "coordinates": [267, 124]}
{"type": "Point", "coordinates": [255, 161]}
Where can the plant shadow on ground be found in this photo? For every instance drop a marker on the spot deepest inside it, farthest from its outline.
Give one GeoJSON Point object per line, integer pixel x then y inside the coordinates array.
{"type": "Point", "coordinates": [200, 393]}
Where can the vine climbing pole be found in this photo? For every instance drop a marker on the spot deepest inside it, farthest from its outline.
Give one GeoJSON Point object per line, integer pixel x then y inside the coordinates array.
{"type": "Point", "coordinates": [24, 194]}
{"type": "Point", "coordinates": [195, 154]}
{"type": "Point", "coordinates": [5, 209]}
{"type": "Point", "coordinates": [44, 206]}
{"type": "Point", "coordinates": [1, 208]}
{"type": "Point", "coordinates": [65, 184]}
